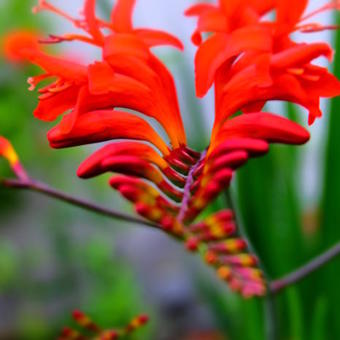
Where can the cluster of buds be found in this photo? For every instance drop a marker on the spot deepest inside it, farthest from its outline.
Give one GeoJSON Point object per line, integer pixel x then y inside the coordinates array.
{"type": "Point", "coordinates": [222, 248]}
{"type": "Point", "coordinates": [97, 333]}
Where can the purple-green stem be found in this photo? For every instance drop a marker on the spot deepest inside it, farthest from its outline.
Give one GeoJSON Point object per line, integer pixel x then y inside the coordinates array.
{"type": "Point", "coordinates": [274, 287]}
{"type": "Point", "coordinates": [297, 275]}
{"type": "Point", "coordinates": [44, 189]}
{"type": "Point", "coordinates": [187, 193]}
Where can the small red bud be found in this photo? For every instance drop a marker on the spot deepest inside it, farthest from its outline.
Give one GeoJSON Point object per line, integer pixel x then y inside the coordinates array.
{"type": "Point", "coordinates": [143, 319]}
{"type": "Point", "coordinates": [211, 257]}
{"type": "Point", "coordinates": [192, 244]}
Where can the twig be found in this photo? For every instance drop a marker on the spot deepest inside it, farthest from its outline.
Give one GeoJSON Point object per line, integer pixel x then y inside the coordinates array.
{"type": "Point", "coordinates": [44, 189]}
{"type": "Point", "coordinates": [302, 272]}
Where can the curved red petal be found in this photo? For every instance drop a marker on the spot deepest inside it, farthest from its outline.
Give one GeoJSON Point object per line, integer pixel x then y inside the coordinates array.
{"type": "Point", "coordinates": [99, 126]}
{"type": "Point", "coordinates": [220, 47]}
{"type": "Point", "coordinates": [121, 15]}
{"type": "Point", "coordinates": [156, 38]}
{"type": "Point", "coordinates": [91, 20]}
{"type": "Point", "coordinates": [301, 54]}
{"type": "Point", "coordinates": [265, 126]}
{"type": "Point", "coordinates": [92, 165]}
{"type": "Point", "coordinates": [288, 14]}
{"type": "Point", "coordinates": [103, 79]}
{"type": "Point", "coordinates": [17, 46]}
{"type": "Point", "coordinates": [199, 9]}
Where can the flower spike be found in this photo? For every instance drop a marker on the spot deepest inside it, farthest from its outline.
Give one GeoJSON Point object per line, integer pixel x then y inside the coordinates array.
{"type": "Point", "coordinates": [249, 59]}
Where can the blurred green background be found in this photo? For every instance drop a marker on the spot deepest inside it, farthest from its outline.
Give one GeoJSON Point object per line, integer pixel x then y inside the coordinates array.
{"type": "Point", "coordinates": [55, 258]}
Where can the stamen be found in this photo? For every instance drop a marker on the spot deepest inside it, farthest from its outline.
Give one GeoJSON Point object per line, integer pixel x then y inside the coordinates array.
{"type": "Point", "coordinates": [45, 96]}
{"type": "Point", "coordinates": [55, 39]}
{"type": "Point", "coordinates": [34, 81]}
{"type": "Point", "coordinates": [335, 4]}
{"type": "Point", "coordinates": [311, 77]}
{"type": "Point", "coordinates": [60, 87]}
{"type": "Point", "coordinates": [43, 5]}
{"type": "Point", "coordinates": [296, 71]}
{"type": "Point", "coordinates": [315, 27]}
{"type": "Point", "coordinates": [52, 89]}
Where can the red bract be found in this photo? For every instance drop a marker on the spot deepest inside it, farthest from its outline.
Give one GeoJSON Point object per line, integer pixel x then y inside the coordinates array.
{"type": "Point", "coordinates": [250, 61]}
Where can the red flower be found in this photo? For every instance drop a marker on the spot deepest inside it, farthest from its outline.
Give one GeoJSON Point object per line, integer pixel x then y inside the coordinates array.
{"type": "Point", "coordinates": [252, 60]}
{"type": "Point", "coordinates": [249, 60]}
{"type": "Point", "coordinates": [129, 75]}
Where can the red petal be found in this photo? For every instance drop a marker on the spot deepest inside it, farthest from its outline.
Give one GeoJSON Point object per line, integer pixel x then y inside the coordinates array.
{"type": "Point", "coordinates": [24, 46]}
{"type": "Point", "coordinates": [128, 165]}
{"type": "Point", "coordinates": [91, 20]}
{"type": "Point", "coordinates": [155, 38]}
{"type": "Point", "coordinates": [102, 79]}
{"type": "Point", "coordinates": [265, 126]}
{"type": "Point", "coordinates": [17, 45]}
{"type": "Point", "coordinates": [231, 7]}
{"type": "Point", "coordinates": [99, 126]}
{"type": "Point", "coordinates": [198, 9]}
{"type": "Point", "coordinates": [231, 160]}
{"type": "Point", "coordinates": [172, 122]}
{"type": "Point", "coordinates": [252, 146]}
{"type": "Point", "coordinates": [289, 13]}
{"type": "Point", "coordinates": [262, 6]}
{"type": "Point", "coordinates": [125, 44]}
{"type": "Point", "coordinates": [121, 15]}
{"type": "Point", "coordinates": [301, 54]}
{"type": "Point", "coordinates": [52, 107]}
{"type": "Point", "coordinates": [327, 85]}
{"type": "Point", "coordinates": [220, 47]}
{"type": "Point", "coordinates": [213, 21]}
{"type": "Point", "coordinates": [134, 166]}
{"type": "Point", "coordinates": [92, 166]}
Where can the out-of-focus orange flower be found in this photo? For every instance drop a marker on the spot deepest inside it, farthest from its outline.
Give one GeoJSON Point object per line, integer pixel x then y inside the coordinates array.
{"type": "Point", "coordinates": [7, 151]}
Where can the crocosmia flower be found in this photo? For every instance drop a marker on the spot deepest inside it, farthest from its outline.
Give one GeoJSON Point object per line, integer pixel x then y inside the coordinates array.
{"type": "Point", "coordinates": [248, 58]}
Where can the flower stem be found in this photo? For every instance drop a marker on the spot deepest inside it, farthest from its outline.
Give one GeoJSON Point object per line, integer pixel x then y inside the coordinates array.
{"type": "Point", "coordinates": [44, 189]}
{"type": "Point", "coordinates": [304, 271]}
{"type": "Point", "coordinates": [187, 193]}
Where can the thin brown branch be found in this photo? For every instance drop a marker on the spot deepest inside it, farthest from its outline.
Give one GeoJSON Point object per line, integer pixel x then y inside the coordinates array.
{"type": "Point", "coordinates": [304, 271]}
{"type": "Point", "coordinates": [42, 188]}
